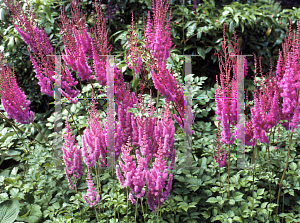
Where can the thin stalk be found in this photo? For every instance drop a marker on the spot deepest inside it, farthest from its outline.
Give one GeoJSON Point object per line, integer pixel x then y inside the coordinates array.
{"type": "Point", "coordinates": [228, 169]}
{"type": "Point", "coordinates": [135, 212]}
{"type": "Point", "coordinates": [158, 204]}
{"type": "Point", "coordinates": [269, 169]}
{"type": "Point", "coordinates": [42, 134]}
{"type": "Point", "coordinates": [71, 116]}
{"type": "Point", "coordinates": [114, 193]}
{"type": "Point", "coordinates": [177, 111]}
{"type": "Point", "coordinates": [127, 205]}
{"type": "Point", "coordinates": [94, 93]}
{"type": "Point", "coordinates": [97, 178]}
{"type": "Point", "coordinates": [143, 209]}
{"type": "Point", "coordinates": [286, 166]}
{"type": "Point", "coordinates": [220, 178]}
{"type": "Point", "coordinates": [287, 158]}
{"type": "Point", "coordinates": [78, 201]}
{"type": "Point", "coordinates": [3, 116]}
{"type": "Point", "coordinates": [14, 126]}
{"type": "Point", "coordinates": [96, 213]}
{"type": "Point", "coordinates": [283, 205]}
{"type": "Point", "coordinates": [220, 183]}
{"type": "Point", "coordinates": [253, 163]}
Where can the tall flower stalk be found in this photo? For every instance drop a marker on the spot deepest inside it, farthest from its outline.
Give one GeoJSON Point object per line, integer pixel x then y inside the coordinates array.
{"type": "Point", "coordinates": [227, 108]}
{"type": "Point", "coordinates": [266, 113]}
{"type": "Point", "coordinates": [12, 98]}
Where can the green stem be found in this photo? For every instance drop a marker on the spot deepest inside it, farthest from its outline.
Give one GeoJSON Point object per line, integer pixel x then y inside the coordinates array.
{"type": "Point", "coordinates": [96, 213]}
{"type": "Point", "coordinates": [158, 204]}
{"type": "Point", "coordinates": [253, 163]}
{"type": "Point", "coordinates": [143, 209]}
{"type": "Point", "coordinates": [94, 93]}
{"type": "Point", "coordinates": [228, 169]}
{"type": "Point", "coordinates": [97, 178]}
{"type": "Point", "coordinates": [283, 205]}
{"type": "Point", "coordinates": [287, 158]}
{"type": "Point", "coordinates": [135, 212]}
{"type": "Point", "coordinates": [42, 134]}
{"type": "Point", "coordinates": [286, 166]}
{"type": "Point", "coordinates": [269, 172]}
{"type": "Point", "coordinates": [78, 201]}
{"type": "Point", "coordinates": [71, 116]}
{"type": "Point", "coordinates": [157, 100]}
{"type": "Point", "coordinates": [127, 204]}
{"type": "Point", "coordinates": [14, 126]}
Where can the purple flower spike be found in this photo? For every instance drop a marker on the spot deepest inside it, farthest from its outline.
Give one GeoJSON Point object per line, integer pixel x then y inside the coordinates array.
{"type": "Point", "coordinates": [72, 156]}
{"type": "Point", "coordinates": [91, 192]}
{"type": "Point", "coordinates": [12, 98]}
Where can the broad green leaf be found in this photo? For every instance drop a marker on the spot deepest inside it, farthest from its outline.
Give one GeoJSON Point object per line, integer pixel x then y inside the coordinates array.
{"type": "Point", "coordinates": [191, 30]}
{"type": "Point", "coordinates": [199, 33]}
{"type": "Point", "coordinates": [178, 198]}
{"type": "Point", "coordinates": [231, 28]}
{"type": "Point", "coordinates": [219, 40]}
{"type": "Point", "coordinates": [293, 166]}
{"type": "Point", "coordinates": [208, 49]}
{"type": "Point", "coordinates": [9, 211]}
{"type": "Point", "coordinates": [260, 191]}
{"type": "Point", "coordinates": [206, 214]}
{"type": "Point", "coordinates": [201, 52]}
{"type": "Point", "coordinates": [231, 201]}
{"type": "Point", "coordinates": [212, 200]}
{"type": "Point", "coordinates": [236, 19]}
{"type": "Point", "coordinates": [189, 24]}
{"type": "Point", "coordinates": [225, 13]}
{"type": "Point", "coordinates": [238, 196]}
{"type": "Point", "coordinates": [229, 9]}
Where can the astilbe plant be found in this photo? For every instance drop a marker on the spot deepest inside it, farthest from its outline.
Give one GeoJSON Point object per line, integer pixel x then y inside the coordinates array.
{"type": "Point", "coordinates": [155, 51]}
{"type": "Point", "coordinates": [226, 100]}
{"type": "Point", "coordinates": [13, 98]}
{"type": "Point", "coordinates": [132, 49]}
{"type": "Point", "coordinates": [38, 41]}
{"type": "Point", "coordinates": [154, 137]}
{"type": "Point", "coordinates": [91, 192]}
{"type": "Point", "coordinates": [267, 111]}
{"type": "Point", "coordinates": [72, 156]}
{"type": "Point", "coordinates": [94, 137]}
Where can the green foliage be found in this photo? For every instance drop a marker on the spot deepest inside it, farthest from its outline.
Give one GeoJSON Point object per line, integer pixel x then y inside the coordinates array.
{"type": "Point", "coordinates": [9, 211]}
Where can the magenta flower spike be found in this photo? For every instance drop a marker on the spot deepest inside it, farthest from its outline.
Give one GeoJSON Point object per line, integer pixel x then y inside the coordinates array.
{"type": "Point", "coordinates": [128, 168]}
{"type": "Point", "coordinates": [94, 137]}
{"type": "Point", "coordinates": [91, 192]}
{"type": "Point", "coordinates": [226, 92]}
{"type": "Point", "coordinates": [158, 191]}
{"type": "Point", "coordinates": [12, 98]}
{"type": "Point", "coordinates": [132, 49]}
{"type": "Point", "coordinates": [220, 152]}
{"type": "Point", "coordinates": [72, 156]}
{"type": "Point", "coordinates": [100, 44]}
{"type": "Point", "coordinates": [40, 45]}
{"type": "Point", "coordinates": [290, 91]}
